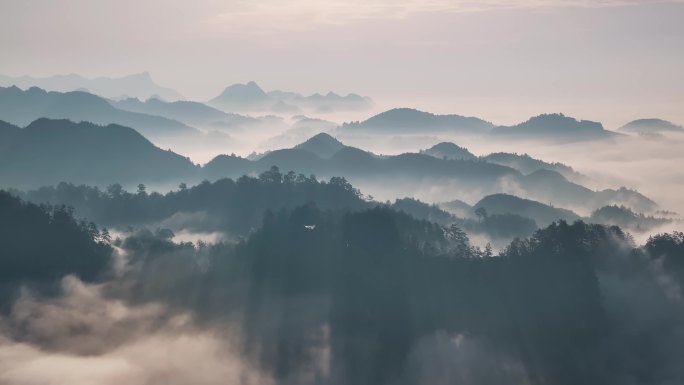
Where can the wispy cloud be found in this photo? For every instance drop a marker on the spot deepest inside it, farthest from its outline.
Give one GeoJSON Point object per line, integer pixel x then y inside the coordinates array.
{"type": "Point", "coordinates": [304, 14]}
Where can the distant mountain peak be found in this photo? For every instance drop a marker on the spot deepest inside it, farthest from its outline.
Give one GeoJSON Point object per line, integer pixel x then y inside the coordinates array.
{"type": "Point", "coordinates": [412, 120]}
{"type": "Point", "coordinates": [448, 150]}
{"type": "Point", "coordinates": [564, 121]}
{"type": "Point", "coordinates": [250, 85]}
{"type": "Point", "coordinates": [242, 94]}
{"type": "Point", "coordinates": [651, 125]}
{"type": "Point", "coordinates": [324, 137]}
{"type": "Point", "coordinates": [140, 76]}
{"type": "Point", "coordinates": [447, 146]}
{"type": "Point", "coordinates": [322, 144]}
{"type": "Point", "coordinates": [556, 126]}
{"type": "Point", "coordinates": [251, 96]}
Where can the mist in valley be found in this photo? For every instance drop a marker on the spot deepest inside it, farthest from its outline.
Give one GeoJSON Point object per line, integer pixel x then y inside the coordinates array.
{"type": "Point", "coordinates": [338, 193]}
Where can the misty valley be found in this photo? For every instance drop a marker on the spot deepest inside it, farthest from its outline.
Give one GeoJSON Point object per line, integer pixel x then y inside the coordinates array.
{"type": "Point", "coordinates": [254, 239]}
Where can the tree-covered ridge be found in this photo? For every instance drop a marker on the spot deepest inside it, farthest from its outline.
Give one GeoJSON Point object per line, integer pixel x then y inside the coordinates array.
{"type": "Point", "coordinates": [626, 218]}
{"type": "Point", "coordinates": [236, 207]}
{"type": "Point", "coordinates": [391, 298]}
{"type": "Point", "coordinates": [232, 206]}
{"type": "Point", "coordinates": [375, 286]}
{"type": "Point", "coordinates": [44, 243]}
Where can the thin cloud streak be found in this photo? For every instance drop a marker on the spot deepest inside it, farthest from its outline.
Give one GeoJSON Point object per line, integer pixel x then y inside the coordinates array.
{"type": "Point", "coordinates": [277, 15]}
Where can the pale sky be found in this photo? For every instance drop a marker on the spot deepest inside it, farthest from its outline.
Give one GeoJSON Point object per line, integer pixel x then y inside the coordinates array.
{"type": "Point", "coordinates": [504, 61]}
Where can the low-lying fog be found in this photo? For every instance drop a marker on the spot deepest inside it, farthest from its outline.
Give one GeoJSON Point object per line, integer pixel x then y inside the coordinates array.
{"type": "Point", "coordinates": [647, 163]}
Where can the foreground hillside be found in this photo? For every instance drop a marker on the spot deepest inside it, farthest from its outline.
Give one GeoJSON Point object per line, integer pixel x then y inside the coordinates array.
{"type": "Point", "coordinates": [381, 292]}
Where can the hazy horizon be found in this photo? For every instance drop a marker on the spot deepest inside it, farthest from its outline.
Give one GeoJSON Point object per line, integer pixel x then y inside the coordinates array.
{"type": "Point", "coordinates": [608, 61]}
{"type": "Point", "coordinates": [489, 211]}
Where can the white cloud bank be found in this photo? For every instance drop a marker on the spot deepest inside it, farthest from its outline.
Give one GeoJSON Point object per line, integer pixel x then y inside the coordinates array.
{"type": "Point", "coordinates": [84, 338]}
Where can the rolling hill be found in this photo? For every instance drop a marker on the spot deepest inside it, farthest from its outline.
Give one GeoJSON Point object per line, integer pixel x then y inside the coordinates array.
{"type": "Point", "coordinates": [412, 121]}
{"type": "Point", "coordinates": [137, 85]}
{"type": "Point", "coordinates": [555, 127]}
{"type": "Point", "coordinates": [650, 126]}
{"type": "Point", "coordinates": [449, 151]}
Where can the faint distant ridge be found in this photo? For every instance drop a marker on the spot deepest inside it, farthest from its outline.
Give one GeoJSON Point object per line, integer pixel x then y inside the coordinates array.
{"type": "Point", "coordinates": [21, 107]}
{"type": "Point", "coordinates": [409, 120]}
{"type": "Point", "coordinates": [556, 126]}
{"type": "Point", "coordinates": [250, 97]}
{"type": "Point", "coordinates": [448, 150]}
{"type": "Point", "coordinates": [650, 126]}
{"type": "Point", "coordinates": [248, 94]}
{"type": "Point", "coordinates": [192, 113]}
{"type": "Point", "coordinates": [137, 85]}
{"type": "Point", "coordinates": [547, 127]}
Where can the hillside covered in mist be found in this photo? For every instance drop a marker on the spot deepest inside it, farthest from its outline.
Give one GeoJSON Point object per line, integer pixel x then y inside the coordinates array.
{"type": "Point", "coordinates": [267, 237]}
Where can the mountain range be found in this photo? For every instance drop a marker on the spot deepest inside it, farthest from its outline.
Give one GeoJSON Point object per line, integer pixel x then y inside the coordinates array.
{"type": "Point", "coordinates": [21, 107]}
{"type": "Point", "coordinates": [187, 112]}
{"type": "Point", "coordinates": [323, 155]}
{"type": "Point", "coordinates": [554, 127]}
{"type": "Point", "coordinates": [251, 97]}
{"type": "Point", "coordinates": [137, 85]}
{"type": "Point", "coordinates": [48, 151]}
{"type": "Point", "coordinates": [412, 121]}
{"type": "Point", "coordinates": [449, 150]}
{"type": "Point", "coordinates": [523, 163]}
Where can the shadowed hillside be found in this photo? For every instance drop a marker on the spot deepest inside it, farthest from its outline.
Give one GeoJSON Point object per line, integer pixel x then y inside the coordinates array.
{"type": "Point", "coordinates": [50, 151]}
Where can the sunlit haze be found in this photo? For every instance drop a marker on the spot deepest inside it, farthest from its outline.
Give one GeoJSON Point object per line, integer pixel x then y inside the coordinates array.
{"type": "Point", "coordinates": [609, 61]}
